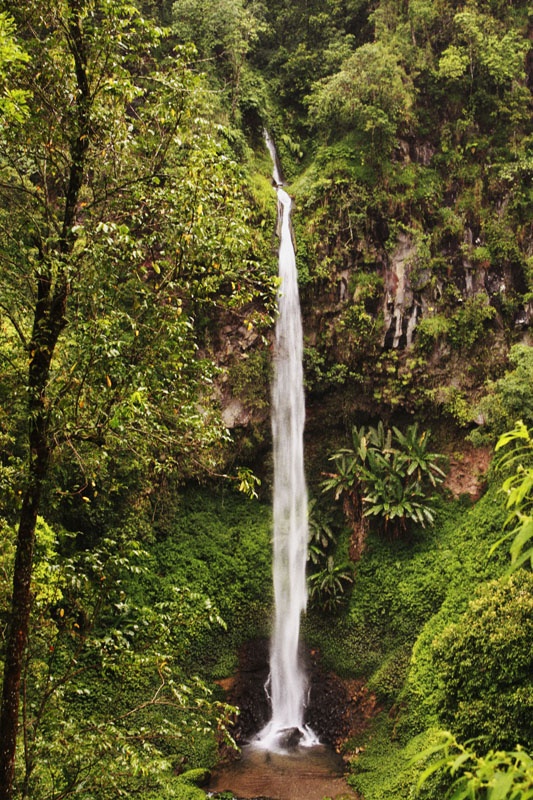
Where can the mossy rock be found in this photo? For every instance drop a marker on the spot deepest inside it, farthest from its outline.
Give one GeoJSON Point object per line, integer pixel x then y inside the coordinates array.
{"type": "Point", "coordinates": [388, 680]}
{"type": "Point", "coordinates": [195, 777]}
{"type": "Point", "coordinates": [178, 791]}
{"type": "Point", "coordinates": [186, 791]}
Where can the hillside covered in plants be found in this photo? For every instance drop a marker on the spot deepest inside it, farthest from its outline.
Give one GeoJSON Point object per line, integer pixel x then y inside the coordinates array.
{"type": "Point", "coordinates": [138, 283]}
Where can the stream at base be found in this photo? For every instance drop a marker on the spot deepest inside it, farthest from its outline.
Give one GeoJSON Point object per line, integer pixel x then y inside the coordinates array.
{"type": "Point", "coordinates": [307, 773]}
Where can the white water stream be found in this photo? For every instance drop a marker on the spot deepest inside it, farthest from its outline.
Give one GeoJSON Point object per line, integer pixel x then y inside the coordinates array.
{"type": "Point", "coordinates": [287, 682]}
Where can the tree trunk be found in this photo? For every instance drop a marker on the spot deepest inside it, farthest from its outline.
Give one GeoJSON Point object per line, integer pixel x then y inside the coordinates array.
{"type": "Point", "coordinates": [18, 634]}
{"type": "Point", "coordinates": [49, 320]}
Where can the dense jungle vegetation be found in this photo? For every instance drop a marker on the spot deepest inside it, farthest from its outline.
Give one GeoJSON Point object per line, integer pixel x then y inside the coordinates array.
{"type": "Point", "coordinates": [137, 305]}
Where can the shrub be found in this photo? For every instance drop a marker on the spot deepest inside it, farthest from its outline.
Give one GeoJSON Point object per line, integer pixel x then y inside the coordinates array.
{"type": "Point", "coordinates": [431, 330]}
{"type": "Point", "coordinates": [470, 321]}
{"type": "Point", "coordinates": [509, 398]}
{"type": "Point", "coordinates": [327, 587]}
{"type": "Point", "coordinates": [485, 662]}
{"type": "Point", "coordinates": [388, 680]}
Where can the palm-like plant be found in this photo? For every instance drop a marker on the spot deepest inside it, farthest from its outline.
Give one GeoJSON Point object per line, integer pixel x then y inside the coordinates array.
{"type": "Point", "coordinates": [327, 581]}
{"type": "Point", "coordinates": [414, 452]}
{"type": "Point", "coordinates": [321, 535]}
{"type": "Point", "coordinates": [328, 586]}
{"type": "Point", "coordinates": [388, 475]}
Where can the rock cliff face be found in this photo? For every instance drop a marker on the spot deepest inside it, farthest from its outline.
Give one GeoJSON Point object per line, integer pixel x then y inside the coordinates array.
{"type": "Point", "coordinates": [411, 295]}
{"type": "Point", "coordinates": [419, 305]}
{"type": "Point", "coordinates": [404, 302]}
{"type": "Point", "coordinates": [393, 336]}
{"type": "Point", "coordinates": [414, 287]}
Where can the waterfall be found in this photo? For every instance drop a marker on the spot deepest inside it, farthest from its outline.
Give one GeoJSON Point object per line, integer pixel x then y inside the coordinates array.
{"type": "Point", "coordinates": [287, 682]}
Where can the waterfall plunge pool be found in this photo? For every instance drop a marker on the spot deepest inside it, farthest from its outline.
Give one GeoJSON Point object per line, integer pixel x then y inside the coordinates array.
{"type": "Point", "coordinates": [305, 773]}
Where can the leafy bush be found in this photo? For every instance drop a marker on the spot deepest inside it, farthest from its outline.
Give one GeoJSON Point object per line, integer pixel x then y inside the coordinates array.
{"type": "Point", "coordinates": [461, 560]}
{"type": "Point", "coordinates": [322, 538]}
{"type": "Point", "coordinates": [408, 593]}
{"type": "Point", "coordinates": [371, 93]}
{"type": "Point", "coordinates": [509, 398]}
{"type": "Point", "coordinates": [431, 330]}
{"type": "Point", "coordinates": [388, 680]}
{"type": "Point", "coordinates": [469, 322]}
{"type": "Point", "coordinates": [485, 661]}
{"type": "Point", "coordinates": [176, 790]}
{"type": "Point", "coordinates": [387, 771]}
{"type": "Point", "coordinates": [219, 545]}
{"type": "Point", "coordinates": [195, 777]}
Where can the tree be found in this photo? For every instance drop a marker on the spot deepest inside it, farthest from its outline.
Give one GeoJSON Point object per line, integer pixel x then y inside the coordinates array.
{"type": "Point", "coordinates": [12, 101]}
{"type": "Point", "coordinates": [123, 221]}
{"type": "Point", "coordinates": [483, 46]}
{"type": "Point", "coordinates": [223, 31]}
{"type": "Point", "coordinates": [371, 94]}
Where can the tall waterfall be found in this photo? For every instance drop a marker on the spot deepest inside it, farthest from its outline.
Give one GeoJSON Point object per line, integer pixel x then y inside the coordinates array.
{"type": "Point", "coordinates": [287, 682]}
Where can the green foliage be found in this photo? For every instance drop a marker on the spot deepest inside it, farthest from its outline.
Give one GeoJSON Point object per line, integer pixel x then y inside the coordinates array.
{"type": "Point", "coordinates": [189, 793]}
{"type": "Point", "coordinates": [93, 639]}
{"type": "Point", "coordinates": [219, 544]}
{"type": "Point", "coordinates": [397, 589]}
{"type": "Point", "coordinates": [388, 680]}
{"type": "Point", "coordinates": [111, 701]}
{"type": "Point", "coordinates": [497, 775]}
{"type": "Point", "coordinates": [385, 771]}
{"type": "Point", "coordinates": [249, 377]}
{"type": "Point", "coordinates": [147, 262]}
{"type": "Point", "coordinates": [469, 322]}
{"type": "Point", "coordinates": [509, 398]}
{"type": "Point", "coordinates": [405, 598]}
{"type": "Point", "coordinates": [484, 50]}
{"type": "Point", "coordinates": [223, 32]}
{"type": "Point", "coordinates": [322, 538]}
{"type": "Point", "coordinates": [319, 375]}
{"type": "Point", "coordinates": [371, 94]}
{"type": "Point", "coordinates": [13, 101]}
{"type": "Point", "coordinates": [195, 777]}
{"type": "Point", "coordinates": [425, 124]}
{"type": "Point", "coordinates": [519, 490]}
{"type": "Point", "coordinates": [176, 789]}
{"type": "Point", "coordinates": [431, 330]}
{"type": "Point", "coordinates": [327, 587]}
{"type": "Point", "coordinates": [389, 475]}
{"type": "Point", "coordinates": [485, 661]}
{"type": "Point", "coordinates": [462, 556]}
{"type": "Point", "coordinates": [431, 115]}
{"type": "Point", "coordinates": [329, 576]}
{"type": "Point", "coordinates": [247, 482]}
